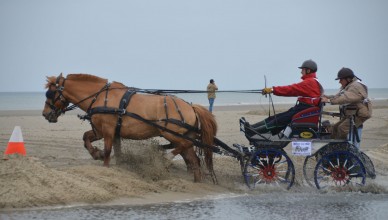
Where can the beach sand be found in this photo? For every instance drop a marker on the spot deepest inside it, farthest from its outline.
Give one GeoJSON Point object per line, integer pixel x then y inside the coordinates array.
{"type": "Point", "coordinates": [58, 171]}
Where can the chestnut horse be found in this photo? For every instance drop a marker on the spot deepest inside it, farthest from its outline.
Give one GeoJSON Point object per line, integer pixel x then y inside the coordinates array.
{"type": "Point", "coordinates": [115, 111]}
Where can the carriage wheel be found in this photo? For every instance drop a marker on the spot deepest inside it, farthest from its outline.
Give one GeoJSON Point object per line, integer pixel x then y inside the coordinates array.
{"type": "Point", "coordinates": [308, 169]}
{"type": "Point", "coordinates": [369, 167]}
{"type": "Point", "coordinates": [339, 168]}
{"type": "Point", "coordinates": [269, 166]}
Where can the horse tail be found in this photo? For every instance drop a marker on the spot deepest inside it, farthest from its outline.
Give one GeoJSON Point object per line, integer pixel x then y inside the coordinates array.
{"type": "Point", "coordinates": [208, 130]}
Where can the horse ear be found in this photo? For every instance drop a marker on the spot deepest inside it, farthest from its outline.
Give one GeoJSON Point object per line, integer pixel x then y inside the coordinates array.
{"type": "Point", "coordinates": [60, 75]}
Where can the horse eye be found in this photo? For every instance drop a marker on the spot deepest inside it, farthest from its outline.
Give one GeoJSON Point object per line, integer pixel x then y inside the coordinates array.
{"type": "Point", "coordinates": [50, 94]}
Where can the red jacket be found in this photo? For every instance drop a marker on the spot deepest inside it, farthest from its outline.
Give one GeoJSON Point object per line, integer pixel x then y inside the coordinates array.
{"type": "Point", "coordinates": [308, 91]}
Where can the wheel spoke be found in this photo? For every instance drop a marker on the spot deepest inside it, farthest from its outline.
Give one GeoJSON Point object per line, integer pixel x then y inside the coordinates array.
{"type": "Point", "coordinates": [282, 171]}
{"type": "Point", "coordinates": [261, 163]}
{"type": "Point", "coordinates": [331, 164]}
{"type": "Point", "coordinates": [281, 163]}
{"type": "Point", "coordinates": [282, 179]}
{"type": "Point", "coordinates": [324, 168]}
{"type": "Point", "coordinates": [346, 161]}
{"type": "Point", "coordinates": [258, 182]}
{"type": "Point", "coordinates": [353, 174]}
{"type": "Point", "coordinates": [338, 162]}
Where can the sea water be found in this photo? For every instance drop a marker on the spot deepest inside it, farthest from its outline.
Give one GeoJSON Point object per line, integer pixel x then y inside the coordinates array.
{"type": "Point", "coordinates": [35, 100]}
{"type": "Point", "coordinates": [275, 205]}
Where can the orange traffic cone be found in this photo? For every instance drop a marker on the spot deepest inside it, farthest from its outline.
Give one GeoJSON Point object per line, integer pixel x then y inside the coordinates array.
{"type": "Point", "coordinates": [16, 143]}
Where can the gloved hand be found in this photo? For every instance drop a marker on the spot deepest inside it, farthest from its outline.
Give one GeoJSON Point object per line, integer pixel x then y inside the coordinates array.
{"type": "Point", "coordinates": [266, 91]}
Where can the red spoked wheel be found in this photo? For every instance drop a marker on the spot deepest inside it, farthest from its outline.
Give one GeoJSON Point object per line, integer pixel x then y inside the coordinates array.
{"type": "Point", "coordinates": [340, 175]}
{"type": "Point", "coordinates": [268, 173]}
{"type": "Point", "coordinates": [270, 167]}
{"type": "Point", "coordinates": [338, 169]}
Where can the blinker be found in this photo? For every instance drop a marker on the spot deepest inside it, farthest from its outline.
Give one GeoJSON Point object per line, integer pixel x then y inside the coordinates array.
{"type": "Point", "coordinates": [50, 94]}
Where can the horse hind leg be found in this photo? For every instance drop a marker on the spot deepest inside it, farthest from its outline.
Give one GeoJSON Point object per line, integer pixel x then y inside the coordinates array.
{"type": "Point", "coordinates": [170, 156]}
{"type": "Point", "coordinates": [193, 163]}
{"type": "Point", "coordinates": [185, 149]}
{"type": "Point", "coordinates": [88, 138]}
{"type": "Point", "coordinates": [209, 165]}
{"type": "Point", "coordinates": [189, 166]}
{"type": "Point", "coordinates": [190, 157]}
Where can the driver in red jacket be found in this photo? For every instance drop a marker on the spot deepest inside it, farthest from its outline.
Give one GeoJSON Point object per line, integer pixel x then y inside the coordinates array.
{"type": "Point", "coordinates": [308, 91]}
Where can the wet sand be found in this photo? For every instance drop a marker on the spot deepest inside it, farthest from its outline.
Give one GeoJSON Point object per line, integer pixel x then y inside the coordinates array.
{"type": "Point", "coordinates": [58, 171]}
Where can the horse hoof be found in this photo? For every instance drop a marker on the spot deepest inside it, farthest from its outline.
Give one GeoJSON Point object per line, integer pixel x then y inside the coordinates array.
{"type": "Point", "coordinates": [167, 164]}
{"type": "Point", "coordinates": [197, 180]}
{"type": "Point", "coordinates": [169, 156]}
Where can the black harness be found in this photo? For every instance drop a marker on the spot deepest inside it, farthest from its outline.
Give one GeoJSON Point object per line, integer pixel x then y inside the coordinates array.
{"type": "Point", "coordinates": [122, 111]}
{"type": "Point", "coordinates": [109, 110]}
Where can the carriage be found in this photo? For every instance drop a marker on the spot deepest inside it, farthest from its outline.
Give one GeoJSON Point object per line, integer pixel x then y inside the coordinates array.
{"type": "Point", "coordinates": [116, 111]}
{"type": "Point", "coordinates": [328, 162]}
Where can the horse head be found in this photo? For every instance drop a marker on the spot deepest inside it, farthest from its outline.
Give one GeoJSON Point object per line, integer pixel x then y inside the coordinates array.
{"type": "Point", "coordinates": [56, 103]}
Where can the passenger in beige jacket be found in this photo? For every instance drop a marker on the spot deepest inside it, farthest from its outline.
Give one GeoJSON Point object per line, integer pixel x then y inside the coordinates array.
{"type": "Point", "coordinates": [353, 96]}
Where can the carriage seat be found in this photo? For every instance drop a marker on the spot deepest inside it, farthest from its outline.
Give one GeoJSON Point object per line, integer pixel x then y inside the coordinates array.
{"type": "Point", "coordinates": [305, 124]}
{"type": "Point", "coordinates": [308, 116]}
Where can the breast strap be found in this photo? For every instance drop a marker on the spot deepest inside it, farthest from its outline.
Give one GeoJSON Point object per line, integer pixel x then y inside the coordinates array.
{"type": "Point", "coordinates": [123, 106]}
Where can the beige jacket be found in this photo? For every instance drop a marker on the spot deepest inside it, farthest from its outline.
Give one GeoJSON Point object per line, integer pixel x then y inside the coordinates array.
{"type": "Point", "coordinates": [211, 91]}
{"type": "Point", "coordinates": [354, 95]}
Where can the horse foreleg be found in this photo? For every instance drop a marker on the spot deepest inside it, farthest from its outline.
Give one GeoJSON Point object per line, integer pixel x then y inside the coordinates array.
{"type": "Point", "coordinates": [107, 150]}
{"type": "Point", "coordinates": [88, 138]}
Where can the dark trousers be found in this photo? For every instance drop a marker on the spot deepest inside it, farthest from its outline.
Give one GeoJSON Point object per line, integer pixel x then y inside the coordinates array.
{"type": "Point", "coordinates": [279, 121]}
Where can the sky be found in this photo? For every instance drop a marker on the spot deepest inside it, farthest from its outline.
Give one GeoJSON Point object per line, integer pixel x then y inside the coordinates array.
{"type": "Point", "coordinates": [182, 44]}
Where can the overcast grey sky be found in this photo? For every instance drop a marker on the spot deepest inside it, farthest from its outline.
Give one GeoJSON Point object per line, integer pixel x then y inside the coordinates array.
{"type": "Point", "coordinates": [181, 44]}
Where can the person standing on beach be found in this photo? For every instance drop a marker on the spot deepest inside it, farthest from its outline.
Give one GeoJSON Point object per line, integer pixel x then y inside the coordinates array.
{"type": "Point", "coordinates": [211, 93]}
{"type": "Point", "coordinates": [353, 95]}
{"type": "Point", "coordinates": [308, 91]}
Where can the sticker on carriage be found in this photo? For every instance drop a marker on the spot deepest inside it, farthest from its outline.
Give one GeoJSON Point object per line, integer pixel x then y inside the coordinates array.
{"type": "Point", "coordinates": [301, 148]}
{"type": "Point", "coordinates": [306, 134]}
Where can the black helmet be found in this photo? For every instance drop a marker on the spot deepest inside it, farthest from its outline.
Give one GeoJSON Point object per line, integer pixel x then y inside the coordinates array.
{"type": "Point", "coordinates": [345, 73]}
{"type": "Point", "coordinates": [309, 64]}
{"type": "Point", "coordinates": [212, 81]}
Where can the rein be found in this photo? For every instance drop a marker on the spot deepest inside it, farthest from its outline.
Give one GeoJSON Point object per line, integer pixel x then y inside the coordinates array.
{"type": "Point", "coordinates": [61, 98]}
{"type": "Point", "coordinates": [163, 91]}
{"type": "Point", "coordinates": [121, 110]}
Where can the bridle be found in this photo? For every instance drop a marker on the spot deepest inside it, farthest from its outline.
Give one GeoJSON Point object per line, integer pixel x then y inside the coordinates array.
{"type": "Point", "coordinates": [52, 95]}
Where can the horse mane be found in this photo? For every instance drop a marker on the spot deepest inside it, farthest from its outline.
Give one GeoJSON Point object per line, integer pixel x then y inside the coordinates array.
{"type": "Point", "coordinates": [51, 80]}
{"type": "Point", "coordinates": [120, 84]}
{"type": "Point", "coordinates": [85, 77]}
